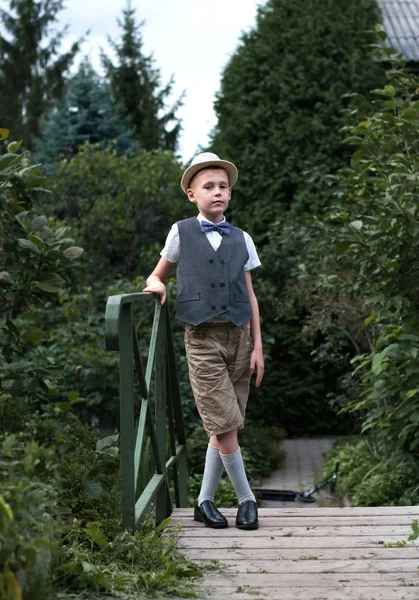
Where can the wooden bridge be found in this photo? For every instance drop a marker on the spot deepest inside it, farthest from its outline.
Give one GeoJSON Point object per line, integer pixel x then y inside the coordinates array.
{"type": "Point", "coordinates": [298, 553]}
{"type": "Point", "coordinates": [310, 554]}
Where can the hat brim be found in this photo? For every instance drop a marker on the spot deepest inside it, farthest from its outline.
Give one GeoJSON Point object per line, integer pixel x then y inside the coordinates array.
{"type": "Point", "coordinates": [217, 164]}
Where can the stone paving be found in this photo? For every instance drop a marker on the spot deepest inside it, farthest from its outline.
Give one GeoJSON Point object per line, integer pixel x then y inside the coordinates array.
{"type": "Point", "coordinates": [301, 470]}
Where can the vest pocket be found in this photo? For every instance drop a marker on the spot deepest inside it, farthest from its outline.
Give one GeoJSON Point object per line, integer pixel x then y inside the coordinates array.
{"type": "Point", "coordinates": [241, 298]}
{"type": "Point", "coordinates": [185, 297]}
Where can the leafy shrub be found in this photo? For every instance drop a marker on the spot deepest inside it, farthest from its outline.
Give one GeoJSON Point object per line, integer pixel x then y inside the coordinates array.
{"type": "Point", "coordinates": [370, 479]}
{"type": "Point", "coordinates": [26, 524]}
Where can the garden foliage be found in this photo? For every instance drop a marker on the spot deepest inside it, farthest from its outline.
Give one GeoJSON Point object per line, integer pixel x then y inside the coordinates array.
{"type": "Point", "coordinates": [54, 469]}
{"type": "Point", "coordinates": [375, 234]}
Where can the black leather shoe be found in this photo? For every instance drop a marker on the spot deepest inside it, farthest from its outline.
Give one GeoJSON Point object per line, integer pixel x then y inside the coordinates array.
{"type": "Point", "coordinates": [247, 515]}
{"type": "Point", "coordinates": [209, 515]}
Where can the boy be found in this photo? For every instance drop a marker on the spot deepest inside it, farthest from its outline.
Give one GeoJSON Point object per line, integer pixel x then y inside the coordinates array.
{"type": "Point", "coordinates": [215, 299]}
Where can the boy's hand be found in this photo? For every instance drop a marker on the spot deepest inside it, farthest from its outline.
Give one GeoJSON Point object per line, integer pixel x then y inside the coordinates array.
{"type": "Point", "coordinates": [157, 287]}
{"type": "Point", "coordinates": [256, 362]}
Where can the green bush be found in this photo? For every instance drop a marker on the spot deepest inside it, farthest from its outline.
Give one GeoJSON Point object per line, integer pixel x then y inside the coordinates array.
{"type": "Point", "coordinates": [27, 506]}
{"type": "Point", "coordinates": [370, 479]}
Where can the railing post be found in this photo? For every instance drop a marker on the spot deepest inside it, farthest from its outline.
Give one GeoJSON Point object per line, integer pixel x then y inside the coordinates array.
{"type": "Point", "coordinates": [126, 392]}
{"type": "Point", "coordinates": [181, 476]}
{"type": "Point", "coordinates": [162, 500]}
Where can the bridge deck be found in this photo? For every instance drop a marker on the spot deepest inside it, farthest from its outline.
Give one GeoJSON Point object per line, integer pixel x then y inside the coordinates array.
{"type": "Point", "coordinates": [301, 553]}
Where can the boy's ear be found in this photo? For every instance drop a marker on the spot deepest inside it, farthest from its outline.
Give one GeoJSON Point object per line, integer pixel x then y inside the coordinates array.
{"type": "Point", "coordinates": [191, 195]}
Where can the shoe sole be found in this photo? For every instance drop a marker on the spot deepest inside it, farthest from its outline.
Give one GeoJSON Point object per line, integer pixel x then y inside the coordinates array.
{"type": "Point", "coordinates": [248, 527]}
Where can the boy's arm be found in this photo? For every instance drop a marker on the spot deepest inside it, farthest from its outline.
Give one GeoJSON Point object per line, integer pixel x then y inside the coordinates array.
{"type": "Point", "coordinates": [256, 358]}
{"type": "Point", "coordinates": [155, 282]}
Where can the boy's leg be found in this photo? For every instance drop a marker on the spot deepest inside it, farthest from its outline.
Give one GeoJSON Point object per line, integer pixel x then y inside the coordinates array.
{"type": "Point", "coordinates": [233, 463]}
{"type": "Point", "coordinates": [247, 515]}
{"type": "Point", "coordinates": [212, 472]}
{"type": "Point", "coordinates": [205, 511]}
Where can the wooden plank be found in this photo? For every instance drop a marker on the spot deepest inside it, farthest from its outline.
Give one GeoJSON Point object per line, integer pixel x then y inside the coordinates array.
{"type": "Point", "coordinates": [240, 564]}
{"type": "Point", "coordinates": [298, 554]}
{"type": "Point", "coordinates": [279, 521]}
{"type": "Point", "coordinates": [239, 592]}
{"type": "Point", "coordinates": [381, 532]}
{"type": "Point", "coordinates": [312, 580]}
{"type": "Point", "coordinates": [249, 541]}
{"type": "Point", "coordinates": [304, 513]}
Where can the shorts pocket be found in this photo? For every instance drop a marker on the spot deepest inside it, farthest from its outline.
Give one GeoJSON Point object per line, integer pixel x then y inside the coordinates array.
{"type": "Point", "coordinates": [195, 338]}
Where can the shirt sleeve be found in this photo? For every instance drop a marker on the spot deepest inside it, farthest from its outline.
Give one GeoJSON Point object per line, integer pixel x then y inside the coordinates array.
{"type": "Point", "coordinates": [171, 250]}
{"type": "Point", "coordinates": [253, 260]}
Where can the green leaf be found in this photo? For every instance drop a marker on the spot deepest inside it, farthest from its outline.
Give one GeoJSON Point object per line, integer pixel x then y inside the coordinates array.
{"type": "Point", "coordinates": [34, 334]}
{"type": "Point", "coordinates": [64, 406]}
{"type": "Point", "coordinates": [38, 223]}
{"type": "Point", "coordinates": [28, 245]}
{"type": "Point", "coordinates": [94, 532]}
{"type": "Point", "coordinates": [50, 283]}
{"type": "Point", "coordinates": [112, 451]}
{"type": "Point", "coordinates": [73, 252]}
{"type": "Point", "coordinates": [14, 147]}
{"type": "Point", "coordinates": [4, 133]}
{"type": "Point", "coordinates": [93, 489]}
{"type": "Point", "coordinates": [6, 160]}
{"type": "Point", "coordinates": [5, 508]}
{"type": "Point", "coordinates": [356, 225]}
{"type": "Point", "coordinates": [37, 241]}
{"type": "Point", "coordinates": [20, 365]}
{"type": "Point", "coordinates": [415, 531]}
{"type": "Point", "coordinates": [106, 442]}
{"type": "Point", "coordinates": [371, 318]}
{"type": "Point", "coordinates": [4, 276]}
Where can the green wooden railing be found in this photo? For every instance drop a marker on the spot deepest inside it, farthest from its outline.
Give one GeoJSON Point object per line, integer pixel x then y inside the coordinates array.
{"type": "Point", "coordinates": [165, 428]}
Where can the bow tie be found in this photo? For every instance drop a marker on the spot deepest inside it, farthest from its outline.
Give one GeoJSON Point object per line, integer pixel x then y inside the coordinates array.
{"type": "Point", "coordinates": [222, 228]}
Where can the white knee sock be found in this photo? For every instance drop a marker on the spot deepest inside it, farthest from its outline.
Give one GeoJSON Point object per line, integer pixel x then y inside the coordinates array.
{"type": "Point", "coordinates": [212, 474]}
{"type": "Point", "coordinates": [233, 464]}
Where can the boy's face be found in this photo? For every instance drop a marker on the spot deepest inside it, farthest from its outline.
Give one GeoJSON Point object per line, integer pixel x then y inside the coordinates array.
{"type": "Point", "coordinates": [211, 192]}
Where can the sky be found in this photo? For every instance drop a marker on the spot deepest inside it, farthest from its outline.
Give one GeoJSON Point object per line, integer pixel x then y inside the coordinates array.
{"type": "Point", "coordinates": [189, 39]}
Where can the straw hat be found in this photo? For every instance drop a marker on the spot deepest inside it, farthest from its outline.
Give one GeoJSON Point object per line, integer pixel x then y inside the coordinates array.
{"type": "Point", "coordinates": [204, 161]}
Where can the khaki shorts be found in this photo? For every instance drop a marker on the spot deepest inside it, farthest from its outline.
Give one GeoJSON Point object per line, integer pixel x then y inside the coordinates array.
{"type": "Point", "coordinates": [219, 371]}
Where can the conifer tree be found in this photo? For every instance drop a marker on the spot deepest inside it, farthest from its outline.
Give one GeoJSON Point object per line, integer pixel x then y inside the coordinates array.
{"type": "Point", "coordinates": [32, 70]}
{"type": "Point", "coordinates": [86, 114]}
{"type": "Point", "coordinates": [282, 100]}
{"type": "Point", "coordinates": [136, 87]}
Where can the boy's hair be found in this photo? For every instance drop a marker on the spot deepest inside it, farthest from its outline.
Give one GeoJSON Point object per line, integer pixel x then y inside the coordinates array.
{"type": "Point", "coordinates": [216, 169]}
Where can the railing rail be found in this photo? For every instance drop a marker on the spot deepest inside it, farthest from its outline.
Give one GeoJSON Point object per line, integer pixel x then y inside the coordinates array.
{"type": "Point", "coordinates": [165, 429]}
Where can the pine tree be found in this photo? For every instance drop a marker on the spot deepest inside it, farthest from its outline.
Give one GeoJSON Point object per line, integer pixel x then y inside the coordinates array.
{"type": "Point", "coordinates": [136, 87]}
{"type": "Point", "coordinates": [31, 68]}
{"type": "Point", "coordinates": [86, 114]}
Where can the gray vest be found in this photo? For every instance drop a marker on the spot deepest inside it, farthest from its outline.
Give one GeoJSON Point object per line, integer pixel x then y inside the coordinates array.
{"type": "Point", "coordinates": [209, 282]}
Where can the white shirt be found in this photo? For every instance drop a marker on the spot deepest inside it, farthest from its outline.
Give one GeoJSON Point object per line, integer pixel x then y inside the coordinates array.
{"type": "Point", "coordinates": [171, 250]}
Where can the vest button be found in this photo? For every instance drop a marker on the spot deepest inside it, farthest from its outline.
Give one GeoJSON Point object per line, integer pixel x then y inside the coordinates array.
{"type": "Point", "coordinates": [213, 307]}
{"type": "Point", "coordinates": [222, 262]}
{"type": "Point", "coordinates": [222, 284]}
{"type": "Point", "coordinates": [212, 285]}
{"type": "Point", "coordinates": [223, 307]}
{"type": "Point", "coordinates": [211, 261]}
